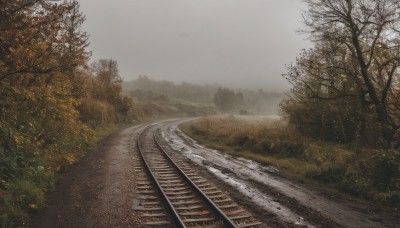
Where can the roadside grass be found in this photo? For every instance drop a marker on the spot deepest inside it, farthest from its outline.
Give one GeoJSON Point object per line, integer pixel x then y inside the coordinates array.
{"type": "Point", "coordinates": [26, 193]}
{"type": "Point", "coordinates": [364, 172]}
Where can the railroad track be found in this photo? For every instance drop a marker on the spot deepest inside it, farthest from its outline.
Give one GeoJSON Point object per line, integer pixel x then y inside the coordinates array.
{"type": "Point", "coordinates": [174, 195]}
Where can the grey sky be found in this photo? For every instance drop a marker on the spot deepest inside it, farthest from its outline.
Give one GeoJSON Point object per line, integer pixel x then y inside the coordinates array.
{"type": "Point", "coordinates": [237, 43]}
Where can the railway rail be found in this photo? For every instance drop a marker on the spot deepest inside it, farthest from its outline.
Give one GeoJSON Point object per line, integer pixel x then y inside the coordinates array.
{"type": "Point", "coordinates": [187, 199]}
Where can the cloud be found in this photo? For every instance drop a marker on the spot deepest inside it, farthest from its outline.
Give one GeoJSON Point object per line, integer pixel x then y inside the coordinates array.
{"type": "Point", "coordinates": [239, 43]}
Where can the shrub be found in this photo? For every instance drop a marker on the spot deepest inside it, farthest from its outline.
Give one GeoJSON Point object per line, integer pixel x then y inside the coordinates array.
{"type": "Point", "coordinates": [355, 184]}
{"type": "Point", "coordinates": [240, 139]}
{"type": "Point", "coordinates": [25, 193]}
{"type": "Point", "coordinates": [96, 113]}
{"type": "Point", "coordinates": [331, 173]}
{"type": "Point", "coordinates": [391, 198]}
{"type": "Point", "coordinates": [386, 170]}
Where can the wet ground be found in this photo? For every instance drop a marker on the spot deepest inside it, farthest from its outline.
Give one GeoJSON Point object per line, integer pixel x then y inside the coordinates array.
{"type": "Point", "coordinates": [98, 191]}
{"type": "Point", "coordinates": [290, 201]}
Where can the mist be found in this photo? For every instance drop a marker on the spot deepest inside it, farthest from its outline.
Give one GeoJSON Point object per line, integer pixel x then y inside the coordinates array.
{"type": "Point", "coordinates": [234, 43]}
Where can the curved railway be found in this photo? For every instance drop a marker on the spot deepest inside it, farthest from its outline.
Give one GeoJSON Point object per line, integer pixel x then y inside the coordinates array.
{"type": "Point", "coordinates": [174, 195]}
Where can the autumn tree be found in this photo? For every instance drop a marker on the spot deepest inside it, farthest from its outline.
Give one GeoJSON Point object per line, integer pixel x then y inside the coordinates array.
{"type": "Point", "coordinates": [105, 102]}
{"type": "Point", "coordinates": [109, 85]}
{"type": "Point", "coordinates": [33, 38]}
{"type": "Point", "coordinates": [34, 84]}
{"type": "Point", "coordinates": [76, 43]}
{"type": "Point", "coordinates": [39, 125]}
{"type": "Point", "coordinates": [355, 60]}
{"type": "Point", "coordinates": [45, 81]}
{"type": "Point", "coordinates": [76, 40]}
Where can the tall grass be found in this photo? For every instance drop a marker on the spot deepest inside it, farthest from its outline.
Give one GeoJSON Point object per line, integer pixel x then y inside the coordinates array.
{"type": "Point", "coordinates": [372, 174]}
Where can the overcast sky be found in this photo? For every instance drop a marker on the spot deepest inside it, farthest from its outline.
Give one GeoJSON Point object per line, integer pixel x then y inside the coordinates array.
{"type": "Point", "coordinates": [236, 43]}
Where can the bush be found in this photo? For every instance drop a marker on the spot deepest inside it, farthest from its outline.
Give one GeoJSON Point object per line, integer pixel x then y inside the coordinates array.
{"type": "Point", "coordinates": [331, 174]}
{"type": "Point", "coordinates": [392, 198]}
{"type": "Point", "coordinates": [281, 148]}
{"type": "Point", "coordinates": [386, 170]}
{"type": "Point", "coordinates": [25, 194]}
{"type": "Point", "coordinates": [356, 184]}
{"type": "Point", "coordinates": [240, 139]}
{"type": "Point", "coordinates": [96, 113]}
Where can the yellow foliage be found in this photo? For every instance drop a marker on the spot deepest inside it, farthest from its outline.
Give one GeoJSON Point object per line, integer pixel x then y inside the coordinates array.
{"type": "Point", "coordinates": [96, 113]}
{"type": "Point", "coordinates": [71, 158]}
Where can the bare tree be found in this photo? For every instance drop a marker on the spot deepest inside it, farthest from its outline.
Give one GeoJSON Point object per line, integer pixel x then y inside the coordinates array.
{"type": "Point", "coordinates": [357, 54]}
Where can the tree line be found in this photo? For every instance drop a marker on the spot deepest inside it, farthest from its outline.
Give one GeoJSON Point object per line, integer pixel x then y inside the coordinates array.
{"type": "Point", "coordinates": [226, 100]}
{"type": "Point", "coordinates": [51, 99]}
{"type": "Point", "coordinates": [184, 90]}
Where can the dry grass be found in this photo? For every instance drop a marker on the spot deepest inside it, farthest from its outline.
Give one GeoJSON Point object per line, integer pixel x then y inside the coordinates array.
{"type": "Point", "coordinates": [272, 142]}
{"type": "Point", "coordinates": [268, 141]}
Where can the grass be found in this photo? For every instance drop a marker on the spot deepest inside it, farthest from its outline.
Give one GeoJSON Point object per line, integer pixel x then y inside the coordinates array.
{"type": "Point", "coordinates": [25, 194]}
{"type": "Point", "coordinates": [101, 133]}
{"type": "Point", "coordinates": [369, 173]}
{"type": "Point", "coordinates": [261, 140]}
{"type": "Point", "coordinates": [291, 165]}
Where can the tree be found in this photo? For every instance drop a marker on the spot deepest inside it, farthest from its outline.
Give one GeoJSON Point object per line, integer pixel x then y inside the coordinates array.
{"type": "Point", "coordinates": [34, 84]}
{"type": "Point", "coordinates": [39, 125]}
{"type": "Point", "coordinates": [108, 81]}
{"type": "Point", "coordinates": [356, 55]}
{"type": "Point", "coordinates": [76, 40]}
{"type": "Point", "coordinates": [104, 103]}
{"type": "Point", "coordinates": [227, 100]}
{"type": "Point", "coordinates": [44, 82]}
{"type": "Point", "coordinates": [33, 38]}
{"type": "Point", "coordinates": [76, 43]}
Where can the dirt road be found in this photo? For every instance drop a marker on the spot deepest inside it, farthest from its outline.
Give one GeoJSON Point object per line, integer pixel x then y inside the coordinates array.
{"type": "Point", "coordinates": [98, 191]}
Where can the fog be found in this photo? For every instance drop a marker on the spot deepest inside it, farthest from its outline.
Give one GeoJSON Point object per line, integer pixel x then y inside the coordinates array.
{"type": "Point", "coordinates": [235, 43]}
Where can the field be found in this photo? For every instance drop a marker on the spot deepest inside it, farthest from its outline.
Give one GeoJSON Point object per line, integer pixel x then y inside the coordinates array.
{"type": "Point", "coordinates": [362, 172]}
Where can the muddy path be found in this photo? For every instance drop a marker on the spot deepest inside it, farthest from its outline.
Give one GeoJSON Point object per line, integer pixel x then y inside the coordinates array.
{"type": "Point", "coordinates": [291, 202]}
{"type": "Point", "coordinates": [99, 190]}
